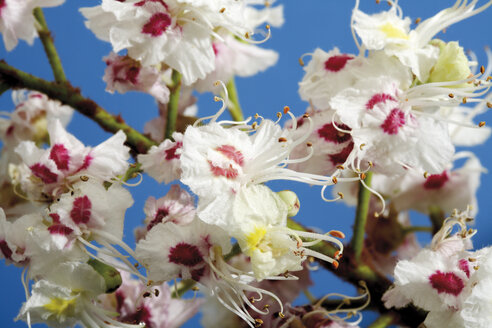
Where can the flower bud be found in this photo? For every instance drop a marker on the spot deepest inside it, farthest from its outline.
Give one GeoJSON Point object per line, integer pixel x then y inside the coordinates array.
{"type": "Point", "coordinates": [290, 198]}
{"type": "Point", "coordinates": [452, 64]}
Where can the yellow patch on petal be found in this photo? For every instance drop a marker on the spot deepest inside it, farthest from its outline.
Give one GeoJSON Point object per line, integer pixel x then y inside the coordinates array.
{"type": "Point", "coordinates": [393, 32]}
{"type": "Point", "coordinates": [60, 306]}
{"type": "Point", "coordinates": [254, 238]}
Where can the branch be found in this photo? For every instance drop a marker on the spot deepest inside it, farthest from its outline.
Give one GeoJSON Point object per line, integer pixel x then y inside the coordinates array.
{"type": "Point", "coordinates": [49, 46]}
{"type": "Point", "coordinates": [233, 104]}
{"type": "Point", "coordinates": [72, 97]}
{"type": "Point", "coordinates": [383, 321]}
{"type": "Point", "coordinates": [172, 107]}
{"type": "Point", "coordinates": [364, 196]}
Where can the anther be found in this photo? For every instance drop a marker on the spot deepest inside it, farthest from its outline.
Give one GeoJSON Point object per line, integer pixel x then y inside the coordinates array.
{"type": "Point", "coordinates": [451, 95]}
{"type": "Point", "coordinates": [301, 62]}
{"type": "Point", "coordinates": [426, 174]}
{"type": "Point", "coordinates": [246, 35]}
{"type": "Point", "coordinates": [476, 267]}
{"type": "Point", "coordinates": [252, 300]}
{"type": "Point", "coordinates": [362, 146]}
{"type": "Point", "coordinates": [311, 259]}
{"type": "Point", "coordinates": [464, 100]}
{"type": "Point", "coordinates": [472, 259]}
{"type": "Point", "coordinates": [340, 194]}
{"type": "Point", "coordinates": [282, 139]}
{"type": "Point", "coordinates": [253, 126]}
{"type": "Point", "coordinates": [135, 265]}
{"type": "Point", "coordinates": [489, 104]}
{"type": "Point", "coordinates": [306, 115]}
{"type": "Point", "coordinates": [195, 288]}
{"type": "Point", "coordinates": [370, 163]}
{"type": "Point", "coordinates": [489, 78]}
{"type": "Point", "coordinates": [482, 69]}
{"type": "Point", "coordinates": [482, 123]}
{"type": "Point", "coordinates": [146, 294]}
{"type": "Point", "coordinates": [281, 315]}
{"type": "Point", "coordinates": [378, 2]}
{"type": "Point", "coordinates": [340, 167]}
{"type": "Point", "coordinates": [279, 115]}
{"type": "Point", "coordinates": [309, 144]}
{"type": "Point", "coordinates": [222, 10]}
{"type": "Point", "coordinates": [267, 26]}
{"type": "Point", "coordinates": [256, 116]}
{"type": "Point", "coordinates": [334, 179]}
{"type": "Point", "coordinates": [84, 178]}
{"type": "Point", "coordinates": [335, 264]}
{"type": "Point", "coordinates": [266, 306]}
{"type": "Point", "coordinates": [286, 109]}
{"type": "Point", "coordinates": [150, 283]}
{"type": "Point", "coordinates": [258, 322]}
{"type": "Point", "coordinates": [362, 176]}
{"type": "Point", "coordinates": [267, 4]}
{"type": "Point", "coordinates": [418, 20]}
{"type": "Point", "coordinates": [337, 234]}
{"type": "Point", "coordinates": [156, 292]}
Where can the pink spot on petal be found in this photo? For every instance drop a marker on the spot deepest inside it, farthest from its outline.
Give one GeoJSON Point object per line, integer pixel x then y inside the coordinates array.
{"type": "Point", "coordinates": [198, 274]}
{"type": "Point", "coordinates": [81, 210]}
{"type": "Point", "coordinates": [60, 229]}
{"type": "Point", "coordinates": [87, 162]}
{"type": "Point", "coordinates": [171, 152]}
{"type": "Point", "coordinates": [341, 157]}
{"type": "Point", "coordinates": [229, 173]}
{"type": "Point", "coordinates": [331, 134]}
{"type": "Point", "coordinates": [185, 254]}
{"type": "Point", "coordinates": [131, 74]}
{"type": "Point", "coordinates": [337, 63]}
{"type": "Point", "coordinates": [448, 283]}
{"type": "Point", "coordinates": [161, 214]}
{"type": "Point", "coordinates": [157, 24]}
{"type": "Point", "coordinates": [232, 153]}
{"type": "Point", "coordinates": [5, 249]}
{"type": "Point", "coordinates": [44, 173]}
{"type": "Point", "coordinates": [394, 121]}
{"type": "Point", "coordinates": [463, 264]}
{"type": "Point", "coordinates": [216, 50]}
{"type": "Point", "coordinates": [436, 181]}
{"type": "Point", "coordinates": [379, 98]}
{"type": "Point", "coordinates": [55, 217]}
{"type": "Point", "coordinates": [59, 155]}
{"type": "Point", "coordinates": [10, 130]}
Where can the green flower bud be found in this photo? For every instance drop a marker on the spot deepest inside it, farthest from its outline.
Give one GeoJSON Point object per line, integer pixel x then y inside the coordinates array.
{"type": "Point", "coordinates": [290, 198]}
{"type": "Point", "coordinates": [111, 276]}
{"type": "Point", "coordinates": [452, 64]}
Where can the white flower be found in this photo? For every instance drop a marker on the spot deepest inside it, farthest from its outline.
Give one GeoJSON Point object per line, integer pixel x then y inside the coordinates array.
{"type": "Point", "coordinates": [125, 74]}
{"type": "Point", "coordinates": [163, 162]}
{"type": "Point", "coordinates": [17, 20]}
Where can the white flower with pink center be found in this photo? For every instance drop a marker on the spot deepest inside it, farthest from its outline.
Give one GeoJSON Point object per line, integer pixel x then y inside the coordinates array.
{"type": "Point", "coordinates": [178, 206]}
{"type": "Point", "coordinates": [67, 160]}
{"type": "Point", "coordinates": [163, 162]}
{"type": "Point", "coordinates": [124, 74]}
{"type": "Point", "coordinates": [178, 33]}
{"type": "Point", "coordinates": [158, 310]}
{"type": "Point", "coordinates": [386, 131]}
{"type": "Point", "coordinates": [17, 20]}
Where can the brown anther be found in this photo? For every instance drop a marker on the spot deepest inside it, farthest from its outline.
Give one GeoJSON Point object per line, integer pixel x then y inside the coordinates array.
{"type": "Point", "coordinates": [299, 243]}
{"type": "Point", "coordinates": [469, 219]}
{"type": "Point", "coordinates": [337, 234]}
{"type": "Point", "coordinates": [370, 163]}
{"type": "Point", "coordinates": [334, 180]}
{"type": "Point", "coordinates": [340, 194]}
{"type": "Point", "coordinates": [267, 4]}
{"type": "Point", "coordinates": [418, 20]}
{"type": "Point", "coordinates": [253, 126]}
{"type": "Point", "coordinates": [222, 10]}
{"type": "Point", "coordinates": [267, 26]}
{"type": "Point", "coordinates": [306, 115]}
{"type": "Point", "coordinates": [150, 283]}
{"type": "Point", "coordinates": [216, 98]}
{"type": "Point", "coordinates": [282, 139]}
{"type": "Point", "coordinates": [482, 123]}
{"type": "Point", "coordinates": [146, 294]}
{"type": "Point", "coordinates": [84, 178]}
{"type": "Point", "coordinates": [340, 167]}
{"type": "Point", "coordinates": [252, 299]}
{"type": "Point", "coordinates": [389, 3]}
{"type": "Point", "coordinates": [286, 109]}
{"type": "Point", "coordinates": [246, 35]}
{"type": "Point", "coordinates": [378, 2]}
{"type": "Point", "coordinates": [256, 115]}
{"type": "Point", "coordinates": [335, 264]}
{"type": "Point", "coordinates": [133, 165]}
{"type": "Point", "coordinates": [135, 265]}
{"type": "Point", "coordinates": [426, 174]}
{"type": "Point", "coordinates": [451, 95]}
{"type": "Point", "coordinates": [336, 254]}
{"type": "Point", "coordinates": [258, 322]}
{"type": "Point", "coordinates": [266, 306]}
{"type": "Point", "coordinates": [281, 315]}
{"type": "Point", "coordinates": [464, 100]}
{"type": "Point", "coordinates": [472, 259]}
{"type": "Point", "coordinates": [195, 288]}
{"type": "Point", "coordinates": [482, 69]}
{"type": "Point", "coordinates": [301, 62]}
{"type": "Point", "coordinates": [489, 78]}
{"type": "Point", "coordinates": [362, 146]}
{"type": "Point", "coordinates": [309, 144]}
{"type": "Point", "coordinates": [476, 267]}
{"type": "Point", "coordinates": [311, 259]}
{"type": "Point", "coordinates": [286, 274]}
{"type": "Point", "coordinates": [474, 284]}
{"type": "Point", "coordinates": [489, 104]}
{"type": "Point", "coordinates": [279, 115]}
{"type": "Point", "coordinates": [156, 292]}
{"type": "Point", "coordinates": [362, 176]}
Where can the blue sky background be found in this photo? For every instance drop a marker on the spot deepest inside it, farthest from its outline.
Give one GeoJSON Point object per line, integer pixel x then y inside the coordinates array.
{"type": "Point", "coordinates": [308, 24]}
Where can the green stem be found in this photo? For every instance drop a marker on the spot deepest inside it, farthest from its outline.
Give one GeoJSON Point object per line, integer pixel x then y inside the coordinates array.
{"type": "Point", "coordinates": [132, 172]}
{"type": "Point", "coordinates": [49, 46]}
{"type": "Point", "coordinates": [364, 196]}
{"type": "Point", "coordinates": [436, 216]}
{"type": "Point", "coordinates": [383, 321]}
{"type": "Point", "coordinates": [233, 105]}
{"type": "Point", "coordinates": [71, 96]}
{"type": "Point", "coordinates": [172, 106]}
{"type": "Point", "coordinates": [407, 230]}
{"type": "Point", "coordinates": [183, 287]}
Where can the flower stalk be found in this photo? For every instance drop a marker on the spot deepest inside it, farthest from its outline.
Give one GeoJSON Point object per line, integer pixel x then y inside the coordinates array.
{"type": "Point", "coordinates": [172, 108]}
{"type": "Point", "coordinates": [234, 106]}
{"type": "Point", "coordinates": [364, 197]}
